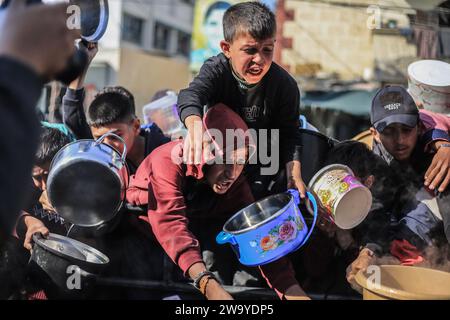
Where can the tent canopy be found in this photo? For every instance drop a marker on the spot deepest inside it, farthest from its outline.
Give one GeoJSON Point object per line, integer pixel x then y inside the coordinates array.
{"type": "Point", "coordinates": [354, 102]}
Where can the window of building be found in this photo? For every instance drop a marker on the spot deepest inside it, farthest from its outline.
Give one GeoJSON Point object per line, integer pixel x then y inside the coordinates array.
{"type": "Point", "coordinates": [132, 29]}
{"type": "Point", "coordinates": [184, 44]}
{"type": "Point", "coordinates": [161, 37]}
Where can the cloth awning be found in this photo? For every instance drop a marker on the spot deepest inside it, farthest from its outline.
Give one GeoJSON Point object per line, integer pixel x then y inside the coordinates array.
{"type": "Point", "coordinates": [354, 102]}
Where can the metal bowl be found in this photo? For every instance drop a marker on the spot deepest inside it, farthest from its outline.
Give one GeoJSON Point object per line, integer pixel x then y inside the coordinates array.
{"type": "Point", "coordinates": [257, 214]}
{"type": "Point", "coordinates": [56, 257]}
{"type": "Point", "coordinates": [71, 249]}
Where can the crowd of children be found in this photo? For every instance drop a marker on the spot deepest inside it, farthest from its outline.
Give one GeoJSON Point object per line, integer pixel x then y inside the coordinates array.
{"type": "Point", "coordinates": [179, 196]}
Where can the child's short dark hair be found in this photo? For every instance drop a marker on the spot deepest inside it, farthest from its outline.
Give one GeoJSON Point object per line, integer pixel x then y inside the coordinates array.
{"type": "Point", "coordinates": [111, 105]}
{"type": "Point", "coordinates": [253, 17]}
{"type": "Point", "coordinates": [51, 141]}
{"type": "Point", "coordinates": [357, 156]}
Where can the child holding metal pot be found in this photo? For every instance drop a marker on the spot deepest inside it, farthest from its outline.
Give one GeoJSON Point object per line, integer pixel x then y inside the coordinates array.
{"type": "Point", "coordinates": [121, 234]}
{"type": "Point", "coordinates": [321, 265]}
{"type": "Point", "coordinates": [38, 216]}
{"type": "Point", "coordinates": [113, 110]}
{"type": "Point", "coordinates": [40, 212]}
{"type": "Point", "coordinates": [188, 205]}
{"type": "Point", "coordinates": [245, 78]}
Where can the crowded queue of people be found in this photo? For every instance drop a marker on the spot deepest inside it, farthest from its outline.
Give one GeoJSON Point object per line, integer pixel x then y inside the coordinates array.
{"type": "Point", "coordinates": [181, 193]}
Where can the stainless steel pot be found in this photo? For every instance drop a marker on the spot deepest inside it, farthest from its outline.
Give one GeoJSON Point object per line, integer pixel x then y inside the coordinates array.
{"type": "Point", "coordinates": [87, 181]}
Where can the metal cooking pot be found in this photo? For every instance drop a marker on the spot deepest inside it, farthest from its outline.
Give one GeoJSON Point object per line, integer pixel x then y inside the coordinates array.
{"type": "Point", "coordinates": [78, 61]}
{"type": "Point", "coordinates": [87, 181]}
{"type": "Point", "coordinates": [60, 257]}
{"type": "Point", "coordinates": [268, 229]}
{"type": "Point", "coordinates": [94, 17]}
{"type": "Point", "coordinates": [314, 148]}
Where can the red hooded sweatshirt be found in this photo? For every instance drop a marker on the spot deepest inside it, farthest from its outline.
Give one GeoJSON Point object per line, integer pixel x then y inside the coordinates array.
{"type": "Point", "coordinates": [159, 183]}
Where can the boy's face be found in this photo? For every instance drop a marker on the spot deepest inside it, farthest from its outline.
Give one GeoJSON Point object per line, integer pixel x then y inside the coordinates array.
{"type": "Point", "coordinates": [40, 175]}
{"type": "Point", "coordinates": [251, 59]}
{"type": "Point", "coordinates": [398, 139]}
{"type": "Point", "coordinates": [222, 176]}
{"type": "Point", "coordinates": [127, 131]}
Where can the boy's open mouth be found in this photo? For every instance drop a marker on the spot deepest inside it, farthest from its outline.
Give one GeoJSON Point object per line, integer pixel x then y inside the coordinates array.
{"type": "Point", "coordinates": [255, 71]}
{"type": "Point", "coordinates": [223, 185]}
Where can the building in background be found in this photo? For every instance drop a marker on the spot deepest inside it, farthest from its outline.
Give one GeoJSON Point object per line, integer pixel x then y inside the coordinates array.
{"type": "Point", "coordinates": [145, 48]}
{"type": "Point", "coordinates": [346, 39]}
{"type": "Point", "coordinates": [341, 52]}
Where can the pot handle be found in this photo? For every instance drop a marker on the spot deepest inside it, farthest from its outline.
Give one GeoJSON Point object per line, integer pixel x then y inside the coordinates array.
{"type": "Point", "coordinates": [110, 134]}
{"type": "Point", "coordinates": [314, 203]}
{"type": "Point", "coordinates": [225, 237]}
{"type": "Point", "coordinates": [295, 194]}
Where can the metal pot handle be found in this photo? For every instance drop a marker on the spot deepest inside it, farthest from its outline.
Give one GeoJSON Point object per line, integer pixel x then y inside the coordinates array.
{"type": "Point", "coordinates": [225, 237]}
{"type": "Point", "coordinates": [110, 134]}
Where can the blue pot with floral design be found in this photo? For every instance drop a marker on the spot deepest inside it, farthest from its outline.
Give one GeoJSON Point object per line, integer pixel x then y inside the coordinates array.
{"type": "Point", "coordinates": [268, 229]}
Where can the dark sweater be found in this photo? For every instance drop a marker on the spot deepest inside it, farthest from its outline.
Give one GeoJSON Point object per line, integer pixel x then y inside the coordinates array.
{"type": "Point", "coordinates": [20, 89]}
{"type": "Point", "coordinates": [274, 105]}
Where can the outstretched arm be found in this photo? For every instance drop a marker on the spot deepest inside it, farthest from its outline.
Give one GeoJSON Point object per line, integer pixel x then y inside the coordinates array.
{"type": "Point", "coordinates": [72, 105]}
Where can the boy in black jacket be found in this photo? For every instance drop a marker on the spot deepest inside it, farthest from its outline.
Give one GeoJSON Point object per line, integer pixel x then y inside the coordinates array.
{"type": "Point", "coordinates": [244, 78]}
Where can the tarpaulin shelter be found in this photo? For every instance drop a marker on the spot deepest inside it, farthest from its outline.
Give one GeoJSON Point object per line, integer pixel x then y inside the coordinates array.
{"type": "Point", "coordinates": [338, 114]}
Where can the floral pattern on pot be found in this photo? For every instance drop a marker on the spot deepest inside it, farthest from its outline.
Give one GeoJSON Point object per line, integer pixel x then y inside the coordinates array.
{"type": "Point", "coordinates": [325, 196]}
{"type": "Point", "coordinates": [287, 231]}
{"type": "Point", "coordinates": [268, 243]}
{"type": "Point", "coordinates": [343, 187]}
{"type": "Point", "coordinates": [280, 234]}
